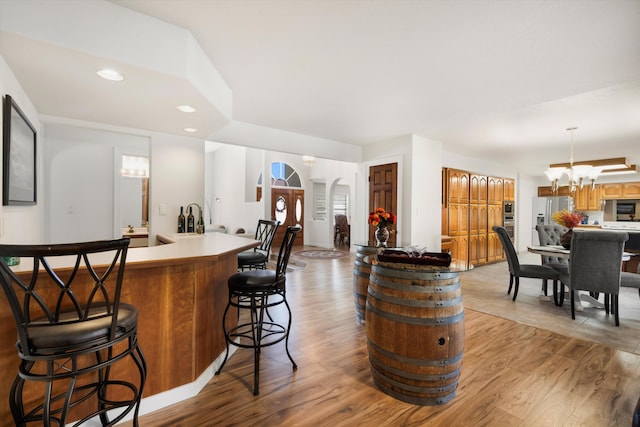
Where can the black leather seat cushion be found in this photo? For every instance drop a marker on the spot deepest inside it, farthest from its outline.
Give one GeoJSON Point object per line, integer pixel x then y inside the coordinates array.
{"type": "Point", "coordinates": [50, 338]}
{"type": "Point", "coordinates": [252, 280]}
{"type": "Point", "coordinates": [251, 258]}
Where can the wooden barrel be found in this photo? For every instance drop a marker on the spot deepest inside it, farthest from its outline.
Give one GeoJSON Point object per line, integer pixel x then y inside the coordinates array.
{"type": "Point", "coordinates": [361, 271]}
{"type": "Point", "coordinates": [415, 333]}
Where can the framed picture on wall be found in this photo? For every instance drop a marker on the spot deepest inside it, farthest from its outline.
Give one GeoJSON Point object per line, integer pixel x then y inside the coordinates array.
{"type": "Point", "coordinates": [18, 156]}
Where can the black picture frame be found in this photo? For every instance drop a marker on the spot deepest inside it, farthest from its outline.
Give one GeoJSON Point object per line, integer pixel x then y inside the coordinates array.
{"type": "Point", "coordinates": [18, 156]}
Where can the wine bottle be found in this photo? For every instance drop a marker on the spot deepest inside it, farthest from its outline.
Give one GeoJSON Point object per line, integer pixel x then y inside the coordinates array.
{"type": "Point", "coordinates": [181, 221]}
{"type": "Point", "coordinates": [190, 221]}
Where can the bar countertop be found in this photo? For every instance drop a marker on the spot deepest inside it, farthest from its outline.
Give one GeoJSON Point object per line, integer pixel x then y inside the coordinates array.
{"type": "Point", "coordinates": [175, 249]}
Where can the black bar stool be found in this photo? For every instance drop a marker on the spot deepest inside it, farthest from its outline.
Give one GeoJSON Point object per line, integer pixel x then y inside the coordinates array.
{"type": "Point", "coordinates": [257, 291]}
{"type": "Point", "coordinates": [72, 328]}
{"type": "Point", "coordinates": [259, 256]}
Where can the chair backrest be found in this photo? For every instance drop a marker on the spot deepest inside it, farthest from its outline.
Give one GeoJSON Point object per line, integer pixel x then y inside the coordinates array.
{"type": "Point", "coordinates": [87, 288]}
{"type": "Point", "coordinates": [549, 234]}
{"type": "Point", "coordinates": [509, 250]}
{"type": "Point", "coordinates": [595, 262]}
{"type": "Point", "coordinates": [342, 225]}
{"type": "Point", "coordinates": [285, 251]}
{"type": "Point", "coordinates": [265, 232]}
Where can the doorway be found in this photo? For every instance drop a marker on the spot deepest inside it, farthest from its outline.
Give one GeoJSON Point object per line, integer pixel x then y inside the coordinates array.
{"type": "Point", "coordinates": [287, 207]}
{"type": "Point", "coordinates": [383, 193]}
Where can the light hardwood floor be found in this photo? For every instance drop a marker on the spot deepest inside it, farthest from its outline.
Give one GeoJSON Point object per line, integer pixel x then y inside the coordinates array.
{"type": "Point", "coordinates": [539, 369]}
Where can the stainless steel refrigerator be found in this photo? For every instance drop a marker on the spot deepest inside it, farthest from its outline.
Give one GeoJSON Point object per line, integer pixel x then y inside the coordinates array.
{"type": "Point", "coordinates": [544, 208]}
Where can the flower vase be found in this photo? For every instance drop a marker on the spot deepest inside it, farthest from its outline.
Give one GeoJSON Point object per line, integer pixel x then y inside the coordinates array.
{"type": "Point", "coordinates": [382, 236]}
{"type": "Point", "coordinates": [565, 239]}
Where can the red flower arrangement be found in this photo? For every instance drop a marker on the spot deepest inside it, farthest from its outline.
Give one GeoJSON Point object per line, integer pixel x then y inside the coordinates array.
{"type": "Point", "coordinates": [567, 219]}
{"type": "Point", "coordinates": [381, 218]}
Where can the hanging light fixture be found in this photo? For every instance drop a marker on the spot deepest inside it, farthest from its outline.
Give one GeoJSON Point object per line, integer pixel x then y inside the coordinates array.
{"type": "Point", "coordinates": [577, 173]}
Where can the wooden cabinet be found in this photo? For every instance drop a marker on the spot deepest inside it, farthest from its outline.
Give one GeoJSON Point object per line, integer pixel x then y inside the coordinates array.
{"type": "Point", "coordinates": [547, 192]}
{"type": "Point", "coordinates": [612, 191]}
{"type": "Point", "coordinates": [509, 189]}
{"type": "Point", "coordinates": [478, 249]}
{"type": "Point", "coordinates": [460, 247]}
{"type": "Point", "coordinates": [495, 190]}
{"type": "Point", "coordinates": [458, 186]}
{"type": "Point", "coordinates": [631, 190]}
{"type": "Point", "coordinates": [595, 199]}
{"type": "Point", "coordinates": [477, 219]}
{"type": "Point", "coordinates": [471, 205]}
{"type": "Point", "coordinates": [494, 247]}
{"type": "Point", "coordinates": [477, 189]}
{"type": "Point", "coordinates": [458, 219]}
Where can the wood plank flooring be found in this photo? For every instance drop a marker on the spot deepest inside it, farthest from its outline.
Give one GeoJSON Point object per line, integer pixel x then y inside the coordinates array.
{"type": "Point", "coordinates": [513, 374]}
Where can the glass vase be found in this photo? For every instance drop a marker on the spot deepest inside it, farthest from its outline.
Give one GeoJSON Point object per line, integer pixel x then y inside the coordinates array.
{"type": "Point", "coordinates": [382, 236]}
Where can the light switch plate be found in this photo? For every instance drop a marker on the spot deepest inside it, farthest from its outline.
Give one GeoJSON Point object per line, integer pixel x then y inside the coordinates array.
{"type": "Point", "coordinates": [163, 210]}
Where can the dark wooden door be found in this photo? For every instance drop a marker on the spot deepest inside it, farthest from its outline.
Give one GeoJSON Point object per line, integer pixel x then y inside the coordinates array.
{"type": "Point", "coordinates": [287, 206]}
{"type": "Point", "coordinates": [383, 193]}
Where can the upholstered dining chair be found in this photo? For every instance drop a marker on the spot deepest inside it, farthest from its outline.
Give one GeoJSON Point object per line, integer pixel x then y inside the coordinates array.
{"type": "Point", "coordinates": [255, 291]}
{"type": "Point", "coordinates": [517, 270]}
{"type": "Point", "coordinates": [549, 234]}
{"type": "Point", "coordinates": [72, 332]}
{"type": "Point", "coordinates": [630, 280]}
{"type": "Point", "coordinates": [595, 265]}
{"type": "Point", "coordinates": [258, 257]}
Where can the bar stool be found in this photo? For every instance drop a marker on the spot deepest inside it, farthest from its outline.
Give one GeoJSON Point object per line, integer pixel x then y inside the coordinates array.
{"type": "Point", "coordinates": [72, 328]}
{"type": "Point", "coordinates": [257, 291]}
{"type": "Point", "coordinates": [259, 256]}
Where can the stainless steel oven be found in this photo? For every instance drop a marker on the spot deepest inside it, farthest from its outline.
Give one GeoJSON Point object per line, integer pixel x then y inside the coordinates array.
{"type": "Point", "coordinates": [508, 217]}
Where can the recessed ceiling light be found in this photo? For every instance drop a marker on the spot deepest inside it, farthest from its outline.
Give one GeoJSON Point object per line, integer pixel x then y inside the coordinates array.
{"type": "Point", "coordinates": [186, 109]}
{"type": "Point", "coordinates": [191, 130]}
{"type": "Point", "coordinates": [112, 75]}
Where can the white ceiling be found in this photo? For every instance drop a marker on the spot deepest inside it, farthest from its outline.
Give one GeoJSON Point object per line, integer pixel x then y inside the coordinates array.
{"type": "Point", "coordinates": [498, 80]}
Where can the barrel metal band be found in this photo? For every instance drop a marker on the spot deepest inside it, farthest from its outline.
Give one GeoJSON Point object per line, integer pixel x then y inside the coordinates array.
{"type": "Point", "coordinates": [360, 273]}
{"type": "Point", "coordinates": [438, 288]}
{"type": "Point", "coordinates": [416, 320]}
{"type": "Point", "coordinates": [428, 401]}
{"type": "Point", "coordinates": [381, 366]}
{"type": "Point", "coordinates": [413, 360]}
{"type": "Point", "coordinates": [411, 274]}
{"type": "Point", "coordinates": [415, 303]}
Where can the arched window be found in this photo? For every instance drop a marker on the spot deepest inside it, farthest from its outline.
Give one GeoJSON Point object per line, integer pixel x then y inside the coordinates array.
{"type": "Point", "coordinates": [283, 175]}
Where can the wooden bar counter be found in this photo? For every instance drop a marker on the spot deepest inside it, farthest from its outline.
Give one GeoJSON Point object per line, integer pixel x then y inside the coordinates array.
{"type": "Point", "coordinates": [180, 290]}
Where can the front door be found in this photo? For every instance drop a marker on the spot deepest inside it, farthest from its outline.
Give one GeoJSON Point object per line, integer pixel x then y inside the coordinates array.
{"type": "Point", "coordinates": [383, 193]}
{"type": "Point", "coordinates": [287, 206]}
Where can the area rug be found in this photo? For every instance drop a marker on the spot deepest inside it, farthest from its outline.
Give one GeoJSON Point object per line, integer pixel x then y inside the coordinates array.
{"type": "Point", "coordinates": [322, 254]}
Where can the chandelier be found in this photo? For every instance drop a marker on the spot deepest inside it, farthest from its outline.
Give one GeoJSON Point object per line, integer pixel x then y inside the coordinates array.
{"type": "Point", "coordinates": [578, 172]}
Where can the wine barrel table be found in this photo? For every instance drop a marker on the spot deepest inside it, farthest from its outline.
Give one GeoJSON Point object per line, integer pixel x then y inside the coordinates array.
{"type": "Point", "coordinates": [361, 272]}
{"type": "Point", "coordinates": [415, 332]}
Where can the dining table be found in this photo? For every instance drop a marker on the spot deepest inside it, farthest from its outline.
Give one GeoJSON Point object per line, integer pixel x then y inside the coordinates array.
{"type": "Point", "coordinates": [562, 252]}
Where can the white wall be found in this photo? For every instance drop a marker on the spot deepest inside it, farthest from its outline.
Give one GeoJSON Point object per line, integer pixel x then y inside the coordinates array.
{"type": "Point", "coordinates": [80, 168]}
{"type": "Point", "coordinates": [23, 224]}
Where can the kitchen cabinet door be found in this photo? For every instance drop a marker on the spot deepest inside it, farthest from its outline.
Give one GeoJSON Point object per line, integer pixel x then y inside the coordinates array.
{"type": "Point", "coordinates": [581, 198]}
{"type": "Point", "coordinates": [595, 199]}
{"type": "Point", "coordinates": [458, 219]}
{"type": "Point", "coordinates": [477, 189]}
{"type": "Point", "coordinates": [494, 247]}
{"type": "Point", "coordinates": [494, 216]}
{"type": "Point", "coordinates": [509, 189]}
{"type": "Point", "coordinates": [631, 190]}
{"type": "Point", "coordinates": [612, 191]}
{"type": "Point", "coordinates": [478, 249]}
{"type": "Point", "coordinates": [495, 190]}
{"type": "Point", "coordinates": [458, 186]}
{"type": "Point", "coordinates": [460, 248]}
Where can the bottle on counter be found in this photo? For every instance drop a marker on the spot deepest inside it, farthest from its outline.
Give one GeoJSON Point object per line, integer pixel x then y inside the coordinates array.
{"type": "Point", "coordinates": [181, 221]}
{"type": "Point", "coordinates": [190, 221]}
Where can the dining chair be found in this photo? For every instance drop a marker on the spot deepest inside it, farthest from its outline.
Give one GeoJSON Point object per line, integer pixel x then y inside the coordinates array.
{"type": "Point", "coordinates": [630, 280]}
{"type": "Point", "coordinates": [532, 271]}
{"type": "Point", "coordinates": [341, 229]}
{"type": "Point", "coordinates": [72, 330]}
{"type": "Point", "coordinates": [549, 234]}
{"type": "Point", "coordinates": [254, 292]}
{"type": "Point", "coordinates": [258, 257]}
{"type": "Point", "coordinates": [595, 265]}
